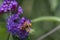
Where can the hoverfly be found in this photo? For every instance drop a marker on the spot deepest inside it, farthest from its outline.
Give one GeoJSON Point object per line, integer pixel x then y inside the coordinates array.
{"type": "Point", "coordinates": [26, 26]}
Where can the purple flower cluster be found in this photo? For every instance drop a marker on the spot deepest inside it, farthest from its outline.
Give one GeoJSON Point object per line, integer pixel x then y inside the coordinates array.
{"type": "Point", "coordinates": [15, 25]}
{"type": "Point", "coordinates": [10, 5]}
{"type": "Point", "coordinates": [18, 26]}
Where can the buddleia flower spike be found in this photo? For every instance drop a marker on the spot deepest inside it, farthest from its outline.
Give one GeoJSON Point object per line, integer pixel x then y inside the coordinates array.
{"type": "Point", "coordinates": [10, 6]}
{"type": "Point", "coordinates": [19, 26]}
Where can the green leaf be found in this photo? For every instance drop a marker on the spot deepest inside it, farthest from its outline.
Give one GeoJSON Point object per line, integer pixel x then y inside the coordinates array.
{"type": "Point", "coordinates": [46, 18]}
{"type": "Point", "coordinates": [3, 32]}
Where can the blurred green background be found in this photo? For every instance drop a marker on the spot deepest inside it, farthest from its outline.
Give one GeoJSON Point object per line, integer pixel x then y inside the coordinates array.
{"type": "Point", "coordinates": [34, 9]}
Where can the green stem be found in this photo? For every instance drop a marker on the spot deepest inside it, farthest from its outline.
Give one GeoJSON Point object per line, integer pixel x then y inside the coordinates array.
{"type": "Point", "coordinates": [46, 18]}
{"type": "Point", "coordinates": [8, 36]}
